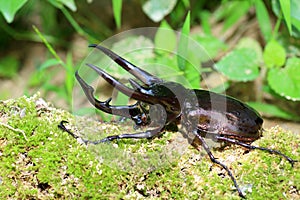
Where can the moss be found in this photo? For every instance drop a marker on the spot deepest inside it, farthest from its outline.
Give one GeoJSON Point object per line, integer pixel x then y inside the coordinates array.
{"type": "Point", "coordinates": [38, 160]}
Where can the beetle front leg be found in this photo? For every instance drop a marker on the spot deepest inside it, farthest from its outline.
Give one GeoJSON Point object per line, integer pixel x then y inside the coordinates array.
{"type": "Point", "coordinates": [149, 134]}
{"type": "Point", "coordinates": [214, 160]}
{"type": "Point", "coordinates": [248, 146]}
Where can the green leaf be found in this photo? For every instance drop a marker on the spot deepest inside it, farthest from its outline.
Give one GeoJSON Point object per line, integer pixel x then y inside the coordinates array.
{"type": "Point", "coordinates": [273, 111]}
{"type": "Point", "coordinates": [253, 44]}
{"type": "Point", "coordinates": [156, 10]}
{"type": "Point", "coordinates": [239, 65]}
{"type": "Point", "coordinates": [49, 63]}
{"type": "Point", "coordinates": [286, 10]}
{"type": "Point", "coordinates": [70, 4]}
{"type": "Point", "coordinates": [69, 80]}
{"type": "Point", "coordinates": [296, 23]}
{"type": "Point", "coordinates": [211, 45]}
{"type": "Point", "coordinates": [117, 8]}
{"type": "Point", "coordinates": [183, 43]}
{"type": "Point", "coordinates": [60, 3]}
{"type": "Point", "coordinates": [165, 38]}
{"type": "Point", "coordinates": [263, 19]}
{"type": "Point", "coordinates": [286, 81]}
{"type": "Point", "coordinates": [9, 67]}
{"type": "Point", "coordinates": [235, 11]}
{"type": "Point", "coordinates": [56, 3]}
{"type": "Point", "coordinates": [10, 7]}
{"type": "Point", "coordinates": [295, 7]}
{"type": "Point", "coordinates": [205, 24]}
{"type": "Point", "coordinates": [186, 3]}
{"type": "Point", "coordinates": [274, 54]}
{"type": "Point", "coordinates": [294, 13]}
{"type": "Point", "coordinates": [48, 45]}
{"type": "Point", "coordinates": [192, 71]}
{"type": "Point", "coordinates": [295, 17]}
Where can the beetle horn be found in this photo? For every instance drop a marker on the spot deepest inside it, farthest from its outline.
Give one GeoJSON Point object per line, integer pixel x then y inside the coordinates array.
{"type": "Point", "coordinates": [135, 85]}
{"type": "Point", "coordinates": [142, 75]}
{"type": "Point", "coordinates": [88, 90]}
{"type": "Point", "coordinates": [139, 88]}
{"type": "Point", "coordinates": [121, 87]}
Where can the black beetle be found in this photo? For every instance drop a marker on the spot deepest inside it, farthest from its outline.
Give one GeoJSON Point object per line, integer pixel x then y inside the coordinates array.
{"type": "Point", "coordinates": [162, 105]}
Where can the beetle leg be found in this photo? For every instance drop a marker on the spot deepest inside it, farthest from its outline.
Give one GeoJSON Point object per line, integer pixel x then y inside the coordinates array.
{"type": "Point", "coordinates": [149, 134]}
{"type": "Point", "coordinates": [63, 127]}
{"type": "Point", "coordinates": [248, 146]}
{"type": "Point", "coordinates": [142, 75]}
{"type": "Point", "coordinates": [214, 160]}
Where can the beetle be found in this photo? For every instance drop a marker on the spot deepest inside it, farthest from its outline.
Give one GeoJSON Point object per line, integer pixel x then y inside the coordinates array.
{"type": "Point", "coordinates": [163, 105]}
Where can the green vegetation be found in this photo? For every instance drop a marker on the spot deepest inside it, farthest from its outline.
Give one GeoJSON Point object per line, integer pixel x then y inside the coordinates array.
{"type": "Point", "coordinates": [247, 43]}
{"type": "Point", "coordinates": [49, 164]}
{"type": "Point", "coordinates": [272, 62]}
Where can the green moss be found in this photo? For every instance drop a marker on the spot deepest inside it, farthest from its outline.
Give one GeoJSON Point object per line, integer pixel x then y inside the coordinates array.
{"type": "Point", "coordinates": [38, 160]}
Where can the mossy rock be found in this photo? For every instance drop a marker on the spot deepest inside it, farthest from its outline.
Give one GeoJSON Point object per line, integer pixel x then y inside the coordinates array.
{"type": "Point", "coordinates": [40, 161]}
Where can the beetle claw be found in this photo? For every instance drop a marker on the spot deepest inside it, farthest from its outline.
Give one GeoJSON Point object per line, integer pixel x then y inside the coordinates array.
{"type": "Point", "coordinates": [292, 161]}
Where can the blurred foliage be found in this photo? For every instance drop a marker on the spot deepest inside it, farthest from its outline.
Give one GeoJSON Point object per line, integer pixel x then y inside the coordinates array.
{"type": "Point", "coordinates": [272, 60]}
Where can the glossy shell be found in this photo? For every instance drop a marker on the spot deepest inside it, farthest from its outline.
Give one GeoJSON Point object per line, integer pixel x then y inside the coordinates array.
{"type": "Point", "coordinates": [226, 116]}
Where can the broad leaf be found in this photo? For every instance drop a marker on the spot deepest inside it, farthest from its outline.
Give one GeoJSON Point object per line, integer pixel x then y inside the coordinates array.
{"type": "Point", "coordinates": [274, 54]}
{"type": "Point", "coordinates": [239, 65]}
{"type": "Point", "coordinates": [273, 111]}
{"type": "Point", "coordinates": [253, 44]}
{"type": "Point", "coordinates": [211, 45]}
{"type": "Point", "coordinates": [10, 7]}
{"type": "Point", "coordinates": [156, 10]}
{"type": "Point", "coordinates": [286, 81]}
{"type": "Point", "coordinates": [165, 38]}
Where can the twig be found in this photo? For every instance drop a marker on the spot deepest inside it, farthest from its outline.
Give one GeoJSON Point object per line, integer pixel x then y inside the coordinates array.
{"type": "Point", "coordinates": [14, 129]}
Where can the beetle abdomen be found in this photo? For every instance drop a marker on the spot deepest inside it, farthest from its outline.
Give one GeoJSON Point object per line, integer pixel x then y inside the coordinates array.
{"type": "Point", "coordinates": [226, 116]}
